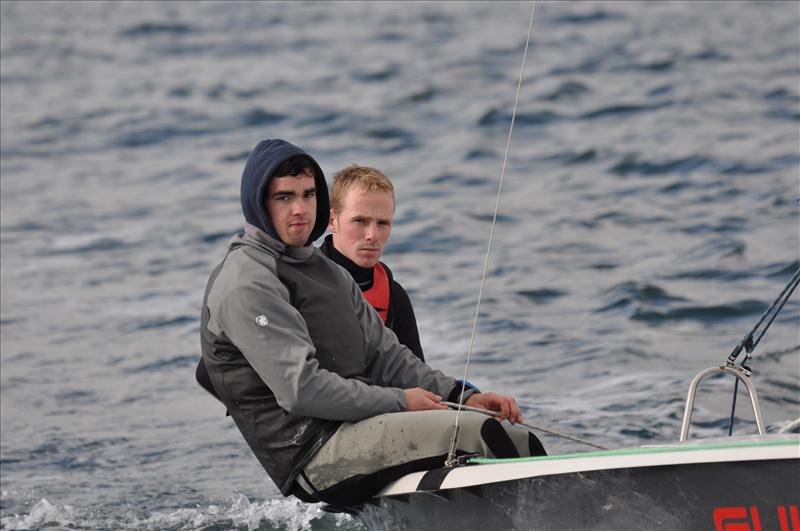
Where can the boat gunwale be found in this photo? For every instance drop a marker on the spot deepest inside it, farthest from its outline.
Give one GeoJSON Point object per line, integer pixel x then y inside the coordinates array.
{"type": "Point", "coordinates": [490, 471]}
{"type": "Point", "coordinates": [653, 449]}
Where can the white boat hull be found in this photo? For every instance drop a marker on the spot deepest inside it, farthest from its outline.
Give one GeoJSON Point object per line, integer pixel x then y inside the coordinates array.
{"type": "Point", "coordinates": [751, 484]}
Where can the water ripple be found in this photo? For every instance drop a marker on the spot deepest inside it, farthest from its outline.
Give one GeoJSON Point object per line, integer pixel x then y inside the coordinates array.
{"type": "Point", "coordinates": [165, 364]}
{"type": "Point", "coordinates": [541, 296]}
{"type": "Point", "coordinates": [624, 109]}
{"type": "Point", "coordinates": [631, 164]}
{"type": "Point", "coordinates": [502, 117]}
{"type": "Point", "coordinates": [168, 322]}
{"type": "Point", "coordinates": [147, 29]}
{"type": "Point", "coordinates": [567, 90]}
{"type": "Point", "coordinates": [101, 245]}
{"type": "Point", "coordinates": [704, 314]}
{"type": "Point", "coordinates": [594, 16]}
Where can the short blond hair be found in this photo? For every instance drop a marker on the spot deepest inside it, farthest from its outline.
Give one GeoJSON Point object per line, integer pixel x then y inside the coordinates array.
{"type": "Point", "coordinates": [363, 178]}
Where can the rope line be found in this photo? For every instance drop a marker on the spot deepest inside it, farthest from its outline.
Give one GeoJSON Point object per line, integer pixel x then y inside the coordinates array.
{"type": "Point", "coordinates": [749, 345]}
{"type": "Point", "coordinates": [451, 456]}
{"type": "Point", "coordinates": [531, 426]}
{"type": "Point", "coordinates": [747, 342]}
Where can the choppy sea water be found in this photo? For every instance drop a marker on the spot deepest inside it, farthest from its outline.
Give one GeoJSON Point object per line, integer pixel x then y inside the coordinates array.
{"type": "Point", "coordinates": [649, 215]}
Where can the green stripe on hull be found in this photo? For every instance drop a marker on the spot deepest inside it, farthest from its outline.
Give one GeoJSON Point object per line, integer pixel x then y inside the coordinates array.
{"type": "Point", "coordinates": [689, 447]}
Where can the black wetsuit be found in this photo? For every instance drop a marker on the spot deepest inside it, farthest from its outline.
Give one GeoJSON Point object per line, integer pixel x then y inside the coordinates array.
{"type": "Point", "coordinates": [401, 319]}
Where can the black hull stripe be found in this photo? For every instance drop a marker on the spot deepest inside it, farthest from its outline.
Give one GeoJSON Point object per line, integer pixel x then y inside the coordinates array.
{"type": "Point", "coordinates": [433, 479]}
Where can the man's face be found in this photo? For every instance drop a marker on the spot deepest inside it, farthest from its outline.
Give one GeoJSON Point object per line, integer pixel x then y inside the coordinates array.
{"type": "Point", "coordinates": [292, 207]}
{"type": "Point", "coordinates": [361, 229]}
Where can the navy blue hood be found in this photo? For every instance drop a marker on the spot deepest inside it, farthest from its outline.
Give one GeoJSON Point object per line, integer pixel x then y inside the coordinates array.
{"type": "Point", "coordinates": [262, 162]}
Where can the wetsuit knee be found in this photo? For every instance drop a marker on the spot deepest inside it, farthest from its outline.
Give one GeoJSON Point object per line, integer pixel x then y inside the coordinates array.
{"type": "Point", "coordinates": [498, 440]}
{"type": "Point", "coordinates": [535, 445]}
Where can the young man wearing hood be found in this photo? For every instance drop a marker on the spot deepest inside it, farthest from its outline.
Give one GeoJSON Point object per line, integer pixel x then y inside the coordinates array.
{"type": "Point", "coordinates": [309, 373]}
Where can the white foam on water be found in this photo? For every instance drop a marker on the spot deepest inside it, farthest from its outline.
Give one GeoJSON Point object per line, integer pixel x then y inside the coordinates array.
{"type": "Point", "coordinates": [288, 514]}
{"type": "Point", "coordinates": [240, 513]}
{"type": "Point", "coordinates": [43, 514]}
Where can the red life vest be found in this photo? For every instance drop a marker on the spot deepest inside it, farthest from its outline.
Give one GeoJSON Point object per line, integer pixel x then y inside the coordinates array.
{"type": "Point", "coordinates": [378, 294]}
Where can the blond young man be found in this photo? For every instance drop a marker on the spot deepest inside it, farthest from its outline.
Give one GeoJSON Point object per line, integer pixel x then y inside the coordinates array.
{"type": "Point", "coordinates": [362, 209]}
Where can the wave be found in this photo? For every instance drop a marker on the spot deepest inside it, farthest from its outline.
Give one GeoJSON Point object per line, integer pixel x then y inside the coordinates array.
{"type": "Point", "coordinates": [568, 90]}
{"type": "Point", "coordinates": [625, 109]}
{"type": "Point", "coordinates": [189, 360]}
{"type": "Point", "coordinates": [635, 294]}
{"type": "Point", "coordinates": [632, 164]}
{"type": "Point", "coordinates": [782, 270]}
{"type": "Point", "coordinates": [167, 322]}
{"type": "Point", "coordinates": [597, 15]}
{"type": "Point", "coordinates": [457, 179]}
{"type": "Point", "coordinates": [704, 314]}
{"type": "Point", "coordinates": [654, 305]}
{"type": "Point", "coordinates": [94, 245]}
{"type": "Point", "coordinates": [237, 513]}
{"type": "Point", "coordinates": [714, 249]}
{"type": "Point", "coordinates": [181, 124]}
{"type": "Point", "coordinates": [502, 117]}
{"type": "Point", "coordinates": [381, 74]}
{"type": "Point", "coordinates": [710, 274]}
{"type": "Point", "coordinates": [541, 296]}
{"type": "Point", "coordinates": [147, 29]}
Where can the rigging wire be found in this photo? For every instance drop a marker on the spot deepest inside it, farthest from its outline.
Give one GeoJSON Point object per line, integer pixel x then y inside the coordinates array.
{"type": "Point", "coordinates": [749, 345]}
{"type": "Point", "coordinates": [451, 460]}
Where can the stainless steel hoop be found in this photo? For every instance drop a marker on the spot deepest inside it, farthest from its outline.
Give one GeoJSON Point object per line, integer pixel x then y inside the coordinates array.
{"type": "Point", "coordinates": [736, 372]}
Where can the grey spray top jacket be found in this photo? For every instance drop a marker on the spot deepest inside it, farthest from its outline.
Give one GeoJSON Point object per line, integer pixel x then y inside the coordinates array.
{"type": "Point", "coordinates": [292, 347]}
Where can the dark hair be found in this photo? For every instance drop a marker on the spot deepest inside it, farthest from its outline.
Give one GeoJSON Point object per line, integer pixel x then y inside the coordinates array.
{"type": "Point", "coordinates": [294, 165]}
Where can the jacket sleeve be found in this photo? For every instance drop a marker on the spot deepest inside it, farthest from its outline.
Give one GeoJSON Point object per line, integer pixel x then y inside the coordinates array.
{"type": "Point", "coordinates": [393, 364]}
{"type": "Point", "coordinates": [258, 318]}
